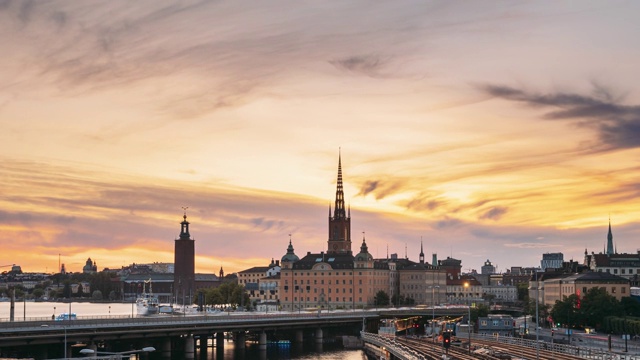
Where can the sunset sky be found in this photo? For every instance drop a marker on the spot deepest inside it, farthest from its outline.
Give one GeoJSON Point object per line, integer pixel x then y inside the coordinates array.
{"type": "Point", "coordinates": [492, 130]}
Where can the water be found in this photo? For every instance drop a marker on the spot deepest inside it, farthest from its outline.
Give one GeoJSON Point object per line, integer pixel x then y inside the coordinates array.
{"type": "Point", "coordinates": [34, 311]}
{"type": "Point", "coordinates": [44, 310]}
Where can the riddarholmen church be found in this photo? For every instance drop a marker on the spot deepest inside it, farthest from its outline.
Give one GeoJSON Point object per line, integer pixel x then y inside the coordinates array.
{"type": "Point", "coordinates": [336, 278]}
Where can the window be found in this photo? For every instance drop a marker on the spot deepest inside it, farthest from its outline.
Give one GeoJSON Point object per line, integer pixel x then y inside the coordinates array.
{"type": "Point", "coordinates": [623, 290]}
{"type": "Point", "coordinates": [623, 271]}
{"type": "Point", "coordinates": [615, 271]}
{"type": "Point", "coordinates": [613, 290]}
{"type": "Point", "coordinates": [483, 322]}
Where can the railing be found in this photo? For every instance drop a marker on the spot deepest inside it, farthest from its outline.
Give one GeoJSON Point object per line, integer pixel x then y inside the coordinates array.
{"type": "Point", "coordinates": [47, 324]}
{"type": "Point", "coordinates": [580, 351]}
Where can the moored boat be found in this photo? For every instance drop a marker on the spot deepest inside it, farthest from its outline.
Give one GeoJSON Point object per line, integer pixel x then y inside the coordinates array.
{"type": "Point", "coordinates": [147, 303]}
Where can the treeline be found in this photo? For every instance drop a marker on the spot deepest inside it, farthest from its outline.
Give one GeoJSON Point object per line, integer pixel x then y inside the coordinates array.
{"type": "Point", "coordinates": [597, 309]}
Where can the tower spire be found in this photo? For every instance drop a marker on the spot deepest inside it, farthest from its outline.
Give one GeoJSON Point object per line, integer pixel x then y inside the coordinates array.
{"type": "Point", "coordinates": [610, 249]}
{"type": "Point", "coordinates": [340, 222]}
{"type": "Point", "coordinates": [421, 252]}
{"type": "Point", "coordinates": [339, 212]}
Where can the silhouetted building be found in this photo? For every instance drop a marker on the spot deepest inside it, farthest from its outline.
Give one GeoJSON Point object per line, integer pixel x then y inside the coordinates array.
{"type": "Point", "coordinates": [184, 264]}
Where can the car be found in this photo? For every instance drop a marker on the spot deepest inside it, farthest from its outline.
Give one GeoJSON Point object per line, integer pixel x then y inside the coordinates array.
{"type": "Point", "coordinates": [65, 316]}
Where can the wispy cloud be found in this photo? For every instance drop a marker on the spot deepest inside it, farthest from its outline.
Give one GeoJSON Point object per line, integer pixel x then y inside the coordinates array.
{"type": "Point", "coordinates": [368, 65]}
{"type": "Point", "coordinates": [617, 125]}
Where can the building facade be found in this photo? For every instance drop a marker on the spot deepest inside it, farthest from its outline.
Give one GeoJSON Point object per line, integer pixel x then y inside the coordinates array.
{"type": "Point", "coordinates": [184, 265]}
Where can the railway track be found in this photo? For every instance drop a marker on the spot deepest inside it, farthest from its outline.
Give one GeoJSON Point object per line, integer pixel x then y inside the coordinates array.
{"type": "Point", "coordinates": [523, 352]}
{"type": "Point", "coordinates": [495, 350]}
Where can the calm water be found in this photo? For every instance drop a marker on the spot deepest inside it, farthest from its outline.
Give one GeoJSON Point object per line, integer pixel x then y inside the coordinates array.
{"type": "Point", "coordinates": [44, 311]}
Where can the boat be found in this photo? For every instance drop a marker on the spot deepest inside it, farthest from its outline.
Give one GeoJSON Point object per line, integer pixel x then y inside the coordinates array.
{"type": "Point", "coordinates": [147, 303]}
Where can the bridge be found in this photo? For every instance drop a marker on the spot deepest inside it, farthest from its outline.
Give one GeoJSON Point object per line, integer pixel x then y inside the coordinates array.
{"type": "Point", "coordinates": [177, 333]}
{"type": "Point", "coordinates": [44, 338]}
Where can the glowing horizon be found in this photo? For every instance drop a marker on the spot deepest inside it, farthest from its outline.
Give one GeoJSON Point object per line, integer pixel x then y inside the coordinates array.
{"type": "Point", "coordinates": [490, 130]}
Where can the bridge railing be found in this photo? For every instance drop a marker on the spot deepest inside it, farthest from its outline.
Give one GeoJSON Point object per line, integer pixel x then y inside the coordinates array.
{"type": "Point", "coordinates": [580, 351]}
{"type": "Point", "coordinates": [49, 325]}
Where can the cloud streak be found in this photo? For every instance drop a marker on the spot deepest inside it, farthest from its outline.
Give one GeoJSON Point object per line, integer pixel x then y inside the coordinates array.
{"type": "Point", "coordinates": [617, 126]}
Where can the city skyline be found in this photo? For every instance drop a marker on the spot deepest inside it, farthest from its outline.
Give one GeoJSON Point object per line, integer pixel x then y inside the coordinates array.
{"type": "Point", "coordinates": [487, 130]}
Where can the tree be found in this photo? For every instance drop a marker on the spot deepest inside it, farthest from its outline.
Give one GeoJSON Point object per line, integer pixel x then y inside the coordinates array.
{"type": "Point", "coordinates": [96, 295]}
{"type": "Point", "coordinates": [230, 294]}
{"type": "Point", "coordinates": [480, 310]}
{"type": "Point", "coordinates": [596, 305]}
{"type": "Point", "coordinates": [37, 293]}
{"type": "Point", "coordinates": [630, 306]}
{"type": "Point", "coordinates": [381, 298]}
{"type": "Point", "coordinates": [80, 291]}
{"type": "Point", "coordinates": [523, 291]}
{"type": "Point", "coordinates": [564, 311]}
{"type": "Point", "coordinates": [397, 299]}
{"type": "Point", "coordinates": [66, 290]}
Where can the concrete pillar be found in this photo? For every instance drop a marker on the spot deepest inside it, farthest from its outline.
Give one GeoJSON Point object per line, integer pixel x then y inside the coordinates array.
{"type": "Point", "coordinates": [299, 336]}
{"type": "Point", "coordinates": [189, 347]}
{"type": "Point", "coordinates": [166, 348]}
{"type": "Point", "coordinates": [262, 341]}
{"type": "Point", "coordinates": [204, 344]}
{"type": "Point", "coordinates": [93, 347]}
{"type": "Point", "coordinates": [318, 336]}
{"type": "Point", "coordinates": [240, 339]}
{"type": "Point", "coordinates": [220, 340]}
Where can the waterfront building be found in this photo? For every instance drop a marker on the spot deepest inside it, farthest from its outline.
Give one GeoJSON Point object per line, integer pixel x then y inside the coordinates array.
{"type": "Point", "coordinates": [184, 260]}
{"type": "Point", "coordinates": [261, 282]}
{"type": "Point", "coordinates": [90, 267]}
{"type": "Point", "coordinates": [336, 278]}
{"type": "Point", "coordinates": [579, 284]}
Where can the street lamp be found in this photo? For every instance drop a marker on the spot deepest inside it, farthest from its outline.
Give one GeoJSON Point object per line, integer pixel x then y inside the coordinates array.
{"type": "Point", "coordinates": [466, 285]}
{"type": "Point", "coordinates": [538, 319]}
{"type": "Point", "coordinates": [117, 355]}
{"type": "Point", "coordinates": [433, 311]}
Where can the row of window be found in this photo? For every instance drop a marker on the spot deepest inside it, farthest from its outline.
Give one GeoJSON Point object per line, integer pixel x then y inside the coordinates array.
{"type": "Point", "coordinates": [622, 271]}
{"type": "Point", "coordinates": [315, 290]}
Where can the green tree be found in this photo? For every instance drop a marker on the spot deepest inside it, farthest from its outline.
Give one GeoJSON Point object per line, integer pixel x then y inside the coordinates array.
{"type": "Point", "coordinates": [96, 295]}
{"type": "Point", "coordinates": [66, 290]}
{"type": "Point", "coordinates": [565, 311]}
{"type": "Point", "coordinates": [80, 292]}
{"type": "Point", "coordinates": [227, 294]}
{"type": "Point", "coordinates": [523, 291]}
{"type": "Point", "coordinates": [480, 310]}
{"type": "Point", "coordinates": [596, 305]}
{"type": "Point", "coordinates": [37, 293]}
{"type": "Point", "coordinates": [630, 306]}
{"type": "Point", "coordinates": [397, 299]}
{"type": "Point", "coordinates": [381, 298]}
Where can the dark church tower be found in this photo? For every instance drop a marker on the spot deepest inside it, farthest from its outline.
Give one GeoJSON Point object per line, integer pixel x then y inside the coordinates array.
{"type": "Point", "coordinates": [340, 223]}
{"type": "Point", "coordinates": [184, 263]}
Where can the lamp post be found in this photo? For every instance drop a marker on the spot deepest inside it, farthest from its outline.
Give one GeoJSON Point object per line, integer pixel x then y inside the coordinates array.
{"type": "Point", "coordinates": [466, 285]}
{"type": "Point", "coordinates": [537, 318]}
{"type": "Point", "coordinates": [469, 328]}
{"type": "Point", "coordinates": [433, 311]}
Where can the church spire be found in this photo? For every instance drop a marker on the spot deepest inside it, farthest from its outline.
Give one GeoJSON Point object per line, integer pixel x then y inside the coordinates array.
{"type": "Point", "coordinates": [421, 252]}
{"type": "Point", "coordinates": [340, 222]}
{"type": "Point", "coordinates": [610, 249]}
{"type": "Point", "coordinates": [339, 212]}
